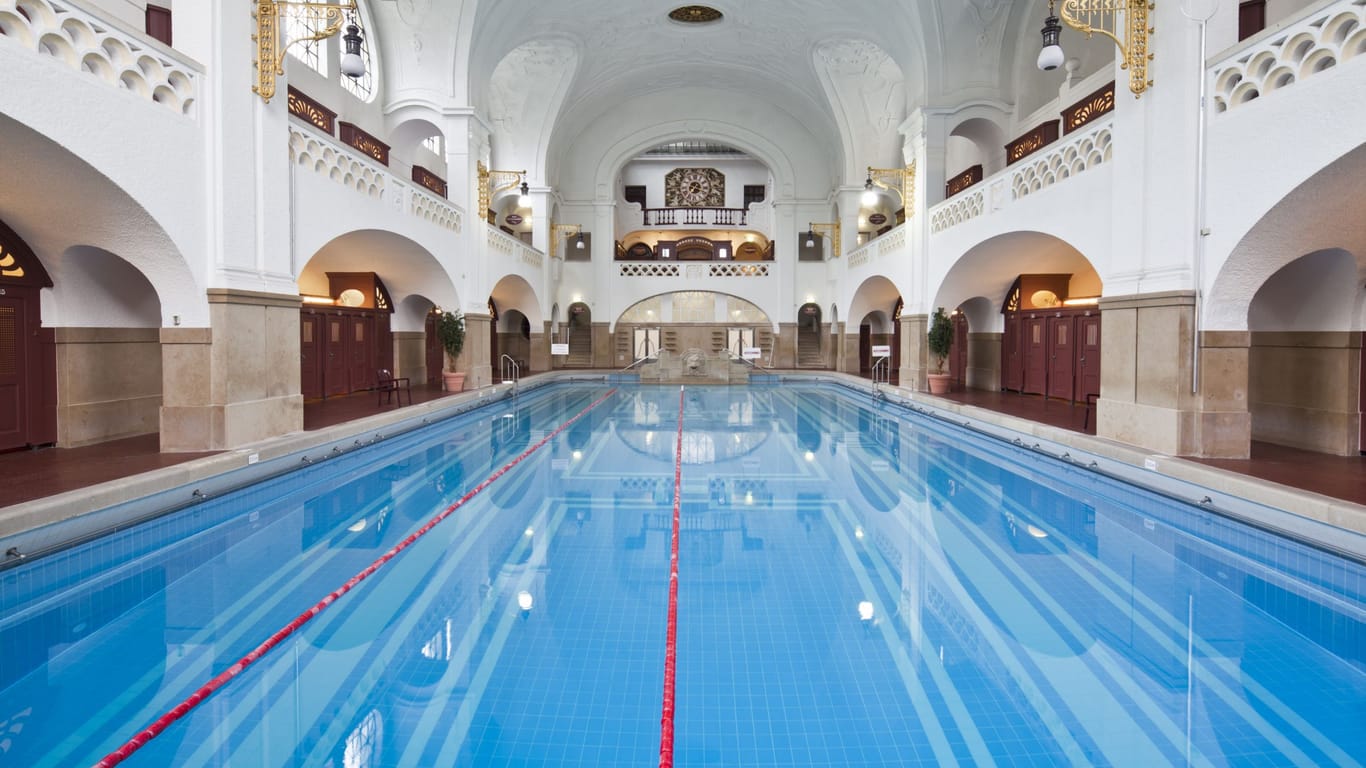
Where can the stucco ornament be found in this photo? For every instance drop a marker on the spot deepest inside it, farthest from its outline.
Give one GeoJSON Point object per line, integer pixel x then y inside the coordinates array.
{"type": "Point", "coordinates": [527, 75]}
{"type": "Point", "coordinates": [869, 88]}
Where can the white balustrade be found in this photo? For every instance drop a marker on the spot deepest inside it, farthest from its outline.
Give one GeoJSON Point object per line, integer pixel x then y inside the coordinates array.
{"type": "Point", "coordinates": [510, 246]}
{"type": "Point", "coordinates": [1320, 40]}
{"type": "Point", "coordinates": [314, 150]}
{"type": "Point", "coordinates": [647, 269]}
{"type": "Point", "coordinates": [322, 156]}
{"type": "Point", "coordinates": [692, 271]}
{"type": "Point", "coordinates": [966, 205]}
{"type": "Point", "coordinates": [76, 37]}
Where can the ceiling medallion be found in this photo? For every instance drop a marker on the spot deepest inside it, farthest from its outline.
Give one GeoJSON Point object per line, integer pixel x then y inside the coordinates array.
{"type": "Point", "coordinates": [695, 14]}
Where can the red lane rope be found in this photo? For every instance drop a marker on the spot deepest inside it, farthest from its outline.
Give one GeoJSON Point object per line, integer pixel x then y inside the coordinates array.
{"type": "Point", "coordinates": [183, 708]}
{"type": "Point", "coordinates": [666, 720]}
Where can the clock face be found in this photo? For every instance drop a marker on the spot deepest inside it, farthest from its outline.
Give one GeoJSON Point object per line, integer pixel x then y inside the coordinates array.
{"type": "Point", "coordinates": [694, 188]}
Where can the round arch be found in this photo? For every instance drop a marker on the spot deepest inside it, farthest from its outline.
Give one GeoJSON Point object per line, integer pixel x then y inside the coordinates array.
{"type": "Point", "coordinates": [111, 224]}
{"type": "Point", "coordinates": [405, 267]}
{"type": "Point", "coordinates": [755, 144]}
{"type": "Point", "coordinates": [514, 292]}
{"type": "Point", "coordinates": [1319, 216]}
{"type": "Point", "coordinates": [989, 268]}
{"type": "Point", "coordinates": [745, 318]}
{"type": "Point", "coordinates": [873, 294]}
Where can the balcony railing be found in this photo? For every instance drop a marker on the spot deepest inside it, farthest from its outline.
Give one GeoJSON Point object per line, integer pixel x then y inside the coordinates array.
{"type": "Point", "coordinates": [84, 42]}
{"type": "Point", "coordinates": [1319, 40]}
{"type": "Point", "coordinates": [710, 217]}
{"type": "Point", "coordinates": [323, 155]}
{"type": "Point", "coordinates": [508, 245]}
{"type": "Point", "coordinates": [1083, 150]}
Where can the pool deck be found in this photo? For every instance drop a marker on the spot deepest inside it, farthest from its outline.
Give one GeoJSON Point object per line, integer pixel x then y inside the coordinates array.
{"type": "Point", "coordinates": [51, 477]}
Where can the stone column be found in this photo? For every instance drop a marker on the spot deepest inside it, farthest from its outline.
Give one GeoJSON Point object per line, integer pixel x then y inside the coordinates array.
{"type": "Point", "coordinates": [1145, 391]}
{"type": "Point", "coordinates": [785, 346]}
{"type": "Point", "coordinates": [915, 352]}
{"type": "Point", "coordinates": [410, 355]}
{"type": "Point", "coordinates": [474, 358]}
{"type": "Point", "coordinates": [984, 361]}
{"type": "Point", "coordinates": [237, 381]}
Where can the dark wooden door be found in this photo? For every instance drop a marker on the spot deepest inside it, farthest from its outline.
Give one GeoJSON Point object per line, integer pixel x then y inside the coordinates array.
{"type": "Point", "coordinates": [360, 352]}
{"type": "Point", "coordinates": [384, 345]}
{"type": "Point", "coordinates": [14, 356]}
{"type": "Point", "coordinates": [1062, 357]}
{"type": "Point", "coordinates": [958, 352]}
{"type": "Point", "coordinates": [865, 350]}
{"type": "Point", "coordinates": [334, 356]}
{"type": "Point", "coordinates": [1034, 350]}
{"type": "Point", "coordinates": [1088, 356]}
{"type": "Point", "coordinates": [310, 355]}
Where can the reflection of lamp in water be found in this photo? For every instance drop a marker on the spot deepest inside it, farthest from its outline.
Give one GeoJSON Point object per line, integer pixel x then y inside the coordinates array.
{"type": "Point", "coordinates": [858, 532]}
{"type": "Point", "coordinates": [749, 498]}
{"type": "Point", "coordinates": [1037, 533]}
{"type": "Point", "coordinates": [358, 526]}
{"type": "Point", "coordinates": [524, 602]}
{"type": "Point", "coordinates": [578, 455]}
{"type": "Point", "coordinates": [865, 610]}
{"type": "Point", "coordinates": [529, 532]}
{"type": "Point", "coordinates": [810, 456]}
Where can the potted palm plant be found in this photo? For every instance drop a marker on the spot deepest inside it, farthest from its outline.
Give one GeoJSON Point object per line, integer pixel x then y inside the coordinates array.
{"type": "Point", "coordinates": [940, 342]}
{"type": "Point", "coordinates": [451, 330]}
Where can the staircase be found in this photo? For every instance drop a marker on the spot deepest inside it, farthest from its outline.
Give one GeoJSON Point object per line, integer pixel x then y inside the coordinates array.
{"type": "Point", "coordinates": [580, 347]}
{"type": "Point", "coordinates": [809, 349]}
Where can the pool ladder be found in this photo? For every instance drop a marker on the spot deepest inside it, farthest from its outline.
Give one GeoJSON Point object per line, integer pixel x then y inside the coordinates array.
{"type": "Point", "coordinates": [881, 374]}
{"type": "Point", "coordinates": [512, 372]}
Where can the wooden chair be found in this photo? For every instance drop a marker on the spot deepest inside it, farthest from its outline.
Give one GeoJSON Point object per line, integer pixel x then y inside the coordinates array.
{"type": "Point", "coordinates": [388, 385]}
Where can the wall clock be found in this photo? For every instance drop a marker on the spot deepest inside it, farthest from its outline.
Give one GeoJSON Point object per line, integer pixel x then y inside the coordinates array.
{"type": "Point", "coordinates": [694, 188]}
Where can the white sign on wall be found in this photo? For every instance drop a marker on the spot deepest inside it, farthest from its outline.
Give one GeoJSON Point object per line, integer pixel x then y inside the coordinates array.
{"type": "Point", "coordinates": [751, 353]}
{"type": "Point", "coordinates": [882, 350]}
{"type": "Point", "coordinates": [559, 349]}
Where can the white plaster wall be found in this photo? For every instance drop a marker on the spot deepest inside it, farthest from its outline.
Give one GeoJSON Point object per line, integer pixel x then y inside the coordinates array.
{"type": "Point", "coordinates": [1085, 227]}
{"type": "Point", "coordinates": [93, 160]}
{"type": "Point", "coordinates": [414, 257]}
{"type": "Point", "coordinates": [650, 172]}
{"type": "Point", "coordinates": [1257, 156]}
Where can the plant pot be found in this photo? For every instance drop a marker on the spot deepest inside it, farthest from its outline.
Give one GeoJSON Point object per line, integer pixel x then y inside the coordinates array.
{"type": "Point", "coordinates": [453, 382]}
{"type": "Point", "coordinates": [940, 383]}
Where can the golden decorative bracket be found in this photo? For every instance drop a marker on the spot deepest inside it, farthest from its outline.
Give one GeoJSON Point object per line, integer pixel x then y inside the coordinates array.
{"type": "Point", "coordinates": [898, 180]}
{"type": "Point", "coordinates": [270, 55]}
{"type": "Point", "coordinates": [1123, 21]}
{"type": "Point", "coordinates": [832, 229]}
{"type": "Point", "coordinates": [566, 229]}
{"type": "Point", "coordinates": [503, 179]}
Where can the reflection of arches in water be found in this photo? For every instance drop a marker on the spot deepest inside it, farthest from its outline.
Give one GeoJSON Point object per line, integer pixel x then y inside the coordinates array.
{"type": "Point", "coordinates": [808, 423]}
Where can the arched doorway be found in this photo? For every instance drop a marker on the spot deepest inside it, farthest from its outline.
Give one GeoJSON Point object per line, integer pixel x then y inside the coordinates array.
{"type": "Point", "coordinates": [580, 336]}
{"type": "Point", "coordinates": [809, 337]}
{"type": "Point", "coordinates": [28, 359]}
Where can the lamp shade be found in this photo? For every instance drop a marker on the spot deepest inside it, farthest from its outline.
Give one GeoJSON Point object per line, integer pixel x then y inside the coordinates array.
{"type": "Point", "coordinates": [524, 198]}
{"type": "Point", "coordinates": [352, 65]}
{"type": "Point", "coordinates": [1051, 57]}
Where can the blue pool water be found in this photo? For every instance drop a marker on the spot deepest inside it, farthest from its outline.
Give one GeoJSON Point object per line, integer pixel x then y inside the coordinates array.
{"type": "Point", "coordinates": [858, 586]}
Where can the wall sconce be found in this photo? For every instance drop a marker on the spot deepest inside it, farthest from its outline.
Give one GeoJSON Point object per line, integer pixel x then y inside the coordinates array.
{"type": "Point", "coordinates": [832, 229]}
{"type": "Point", "coordinates": [567, 230]}
{"type": "Point", "coordinates": [503, 180]}
{"type": "Point", "coordinates": [898, 180]}
{"type": "Point", "coordinates": [1111, 18]}
{"type": "Point", "coordinates": [324, 17]}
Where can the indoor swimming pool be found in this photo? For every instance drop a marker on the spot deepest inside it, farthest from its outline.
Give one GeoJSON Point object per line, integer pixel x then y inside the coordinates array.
{"type": "Point", "coordinates": [858, 584]}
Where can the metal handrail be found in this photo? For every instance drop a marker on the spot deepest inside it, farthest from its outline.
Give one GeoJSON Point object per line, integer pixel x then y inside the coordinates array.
{"type": "Point", "coordinates": [509, 366]}
{"type": "Point", "coordinates": [881, 372]}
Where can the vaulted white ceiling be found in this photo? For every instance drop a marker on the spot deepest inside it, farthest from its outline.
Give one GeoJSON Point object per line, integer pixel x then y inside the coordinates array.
{"type": "Point", "coordinates": [545, 72]}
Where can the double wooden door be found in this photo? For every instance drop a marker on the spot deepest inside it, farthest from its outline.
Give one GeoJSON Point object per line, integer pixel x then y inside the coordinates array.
{"type": "Point", "coordinates": [340, 351]}
{"type": "Point", "coordinates": [1055, 355]}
